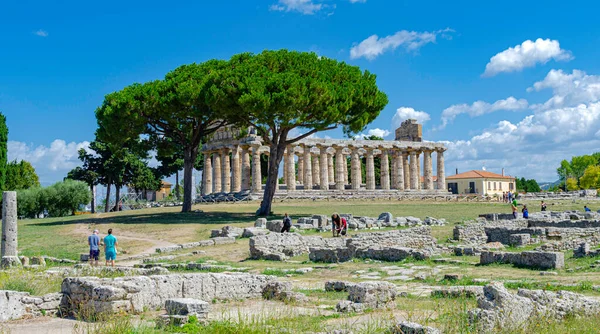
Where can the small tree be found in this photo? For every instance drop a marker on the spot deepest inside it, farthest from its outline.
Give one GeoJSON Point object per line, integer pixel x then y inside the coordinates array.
{"type": "Point", "coordinates": [590, 178]}
{"type": "Point", "coordinates": [278, 91]}
{"type": "Point", "coordinates": [572, 184]}
{"type": "Point", "coordinates": [20, 175]}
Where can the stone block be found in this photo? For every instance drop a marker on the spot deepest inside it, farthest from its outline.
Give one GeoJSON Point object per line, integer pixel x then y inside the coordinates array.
{"type": "Point", "coordinates": [275, 225]}
{"type": "Point", "coordinates": [322, 220]}
{"type": "Point", "coordinates": [254, 231]}
{"type": "Point", "coordinates": [261, 223]}
{"type": "Point", "coordinates": [338, 285]}
{"type": "Point", "coordinates": [374, 294]}
{"type": "Point", "coordinates": [330, 254]}
{"type": "Point", "coordinates": [273, 290]}
{"type": "Point", "coordinates": [24, 260]}
{"type": "Point", "coordinates": [84, 257]}
{"type": "Point", "coordinates": [11, 307]}
{"type": "Point", "coordinates": [406, 327]}
{"type": "Point", "coordinates": [187, 306]}
{"type": "Point", "coordinates": [10, 262]}
{"type": "Point", "coordinates": [533, 259]}
{"type": "Point", "coordinates": [519, 240]}
{"type": "Point", "coordinates": [224, 240]}
{"type": "Point", "coordinates": [386, 217]}
{"type": "Point", "coordinates": [346, 306]}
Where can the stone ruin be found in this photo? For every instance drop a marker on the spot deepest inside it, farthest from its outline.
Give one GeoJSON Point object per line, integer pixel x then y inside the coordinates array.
{"type": "Point", "coordinates": [500, 309]}
{"type": "Point", "coordinates": [393, 245]}
{"type": "Point", "coordinates": [366, 295]}
{"type": "Point", "coordinates": [8, 251]}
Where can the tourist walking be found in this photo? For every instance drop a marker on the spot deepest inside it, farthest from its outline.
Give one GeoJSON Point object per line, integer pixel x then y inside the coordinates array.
{"type": "Point", "coordinates": [287, 223]}
{"type": "Point", "coordinates": [525, 212]}
{"type": "Point", "coordinates": [509, 196]}
{"type": "Point", "coordinates": [513, 206]}
{"type": "Point", "coordinates": [543, 206]}
{"type": "Point", "coordinates": [110, 248]}
{"type": "Point", "coordinates": [94, 243]}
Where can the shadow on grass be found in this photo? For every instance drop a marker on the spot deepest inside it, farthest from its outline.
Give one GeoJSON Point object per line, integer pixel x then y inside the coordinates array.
{"type": "Point", "coordinates": [160, 218]}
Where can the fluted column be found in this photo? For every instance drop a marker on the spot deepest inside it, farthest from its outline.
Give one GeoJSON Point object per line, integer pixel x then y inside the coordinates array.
{"type": "Point", "coordinates": [370, 170]}
{"type": "Point", "coordinates": [356, 169]}
{"type": "Point", "coordinates": [419, 170]}
{"type": "Point", "coordinates": [316, 170]}
{"type": "Point", "coordinates": [400, 179]}
{"type": "Point", "coordinates": [324, 167]}
{"type": "Point", "coordinates": [414, 175]}
{"type": "Point", "coordinates": [207, 175]}
{"type": "Point", "coordinates": [394, 170]}
{"type": "Point", "coordinates": [307, 163]}
{"type": "Point", "coordinates": [217, 172]}
{"type": "Point", "coordinates": [441, 174]}
{"type": "Point", "coordinates": [256, 172]}
{"type": "Point", "coordinates": [385, 170]}
{"type": "Point", "coordinates": [345, 165]}
{"type": "Point", "coordinates": [226, 171]}
{"type": "Point", "coordinates": [330, 169]}
{"type": "Point", "coordinates": [427, 170]}
{"type": "Point", "coordinates": [236, 170]}
{"type": "Point", "coordinates": [301, 169]}
{"type": "Point", "coordinates": [291, 170]}
{"type": "Point", "coordinates": [339, 168]}
{"type": "Point", "coordinates": [406, 169]}
{"type": "Point", "coordinates": [245, 169]}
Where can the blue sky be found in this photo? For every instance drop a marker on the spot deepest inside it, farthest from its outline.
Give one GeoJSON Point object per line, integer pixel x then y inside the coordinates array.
{"type": "Point", "coordinates": [58, 60]}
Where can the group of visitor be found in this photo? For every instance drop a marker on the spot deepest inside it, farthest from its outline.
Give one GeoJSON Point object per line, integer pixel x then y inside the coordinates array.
{"type": "Point", "coordinates": [109, 243]}
{"type": "Point", "coordinates": [339, 225]}
{"type": "Point", "coordinates": [508, 197]}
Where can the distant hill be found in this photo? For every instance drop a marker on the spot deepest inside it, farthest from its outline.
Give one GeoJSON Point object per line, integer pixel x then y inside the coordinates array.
{"type": "Point", "coordinates": [548, 185]}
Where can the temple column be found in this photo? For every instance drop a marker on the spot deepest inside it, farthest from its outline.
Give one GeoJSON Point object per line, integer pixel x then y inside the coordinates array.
{"type": "Point", "coordinates": [256, 173]}
{"type": "Point", "coordinates": [355, 169]}
{"type": "Point", "coordinates": [245, 169]}
{"type": "Point", "coordinates": [301, 169]}
{"type": "Point", "coordinates": [324, 167]}
{"type": "Point", "coordinates": [339, 168]}
{"type": "Point", "coordinates": [291, 170]}
{"type": "Point", "coordinates": [207, 175]}
{"type": "Point", "coordinates": [345, 166]}
{"type": "Point", "coordinates": [370, 170]}
{"type": "Point", "coordinates": [385, 170]}
{"type": "Point", "coordinates": [217, 172]}
{"type": "Point", "coordinates": [394, 170]}
{"type": "Point", "coordinates": [226, 171]}
{"type": "Point", "coordinates": [441, 174]}
{"type": "Point", "coordinates": [419, 170]}
{"type": "Point", "coordinates": [427, 170]}
{"type": "Point", "coordinates": [406, 169]}
{"type": "Point", "coordinates": [400, 178]}
{"type": "Point", "coordinates": [414, 174]}
{"type": "Point", "coordinates": [307, 163]}
{"type": "Point", "coordinates": [316, 171]}
{"type": "Point", "coordinates": [330, 169]}
{"type": "Point", "coordinates": [236, 170]}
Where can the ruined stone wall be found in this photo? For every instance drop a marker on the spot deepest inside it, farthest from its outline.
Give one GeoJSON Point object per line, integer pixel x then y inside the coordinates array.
{"type": "Point", "coordinates": [410, 130]}
{"type": "Point", "coordinates": [542, 260]}
{"type": "Point", "coordinates": [17, 305]}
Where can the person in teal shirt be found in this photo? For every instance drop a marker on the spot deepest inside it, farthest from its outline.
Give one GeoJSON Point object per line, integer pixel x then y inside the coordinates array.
{"type": "Point", "coordinates": [110, 248]}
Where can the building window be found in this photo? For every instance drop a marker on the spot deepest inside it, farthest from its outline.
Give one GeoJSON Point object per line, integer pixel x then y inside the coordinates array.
{"type": "Point", "coordinates": [499, 185]}
{"type": "Point", "coordinates": [489, 185]}
{"type": "Point", "coordinates": [511, 186]}
{"type": "Point", "coordinates": [494, 185]}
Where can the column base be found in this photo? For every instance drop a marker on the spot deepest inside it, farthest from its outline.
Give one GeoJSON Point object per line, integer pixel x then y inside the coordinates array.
{"type": "Point", "coordinates": [10, 262]}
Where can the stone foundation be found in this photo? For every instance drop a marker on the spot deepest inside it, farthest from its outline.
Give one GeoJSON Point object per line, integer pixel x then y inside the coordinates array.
{"type": "Point", "coordinates": [541, 260]}
{"type": "Point", "coordinates": [17, 305]}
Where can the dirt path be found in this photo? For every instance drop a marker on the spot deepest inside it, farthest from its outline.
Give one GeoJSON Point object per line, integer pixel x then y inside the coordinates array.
{"type": "Point", "coordinates": [84, 230]}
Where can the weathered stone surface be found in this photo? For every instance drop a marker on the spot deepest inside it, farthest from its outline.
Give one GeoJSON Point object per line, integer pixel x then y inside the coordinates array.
{"type": "Point", "coordinates": [346, 306]}
{"type": "Point", "coordinates": [11, 306]}
{"type": "Point", "coordinates": [16, 305]}
{"type": "Point", "coordinates": [499, 309]}
{"type": "Point", "coordinates": [187, 306]}
{"type": "Point", "coordinates": [168, 249]}
{"type": "Point", "coordinates": [224, 240]}
{"type": "Point", "coordinates": [430, 221]}
{"type": "Point", "coordinates": [275, 225]}
{"type": "Point", "coordinates": [10, 262]}
{"type": "Point", "coordinates": [330, 254]}
{"type": "Point", "coordinates": [261, 223]}
{"type": "Point", "coordinates": [280, 246]}
{"type": "Point", "coordinates": [322, 220]}
{"type": "Point", "coordinates": [519, 240]}
{"type": "Point", "coordinates": [406, 327]}
{"type": "Point", "coordinates": [227, 231]}
{"type": "Point", "coordinates": [338, 285]}
{"type": "Point", "coordinates": [542, 260]}
{"type": "Point", "coordinates": [134, 294]}
{"type": "Point", "coordinates": [386, 217]}
{"type": "Point", "coordinates": [374, 294]}
{"type": "Point", "coordinates": [250, 232]}
{"type": "Point", "coordinates": [458, 291]}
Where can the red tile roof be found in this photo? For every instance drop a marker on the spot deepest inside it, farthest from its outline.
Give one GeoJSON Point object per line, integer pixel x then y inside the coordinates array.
{"type": "Point", "coordinates": [478, 174]}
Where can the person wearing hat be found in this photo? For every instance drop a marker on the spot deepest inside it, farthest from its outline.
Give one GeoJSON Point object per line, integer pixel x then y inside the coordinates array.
{"type": "Point", "coordinates": [94, 243]}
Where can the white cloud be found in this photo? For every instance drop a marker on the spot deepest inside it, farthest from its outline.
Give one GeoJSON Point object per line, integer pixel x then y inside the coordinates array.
{"type": "Point", "coordinates": [51, 163]}
{"type": "Point", "coordinates": [374, 46]}
{"type": "Point", "coordinates": [307, 7]}
{"type": "Point", "coordinates": [404, 113]}
{"type": "Point", "coordinates": [532, 147]}
{"type": "Point", "coordinates": [41, 33]}
{"type": "Point", "coordinates": [527, 54]}
{"type": "Point", "coordinates": [568, 89]}
{"type": "Point", "coordinates": [373, 132]}
{"type": "Point", "coordinates": [479, 108]}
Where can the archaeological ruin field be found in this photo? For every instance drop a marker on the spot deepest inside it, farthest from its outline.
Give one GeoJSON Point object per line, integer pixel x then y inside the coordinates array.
{"type": "Point", "coordinates": [404, 267]}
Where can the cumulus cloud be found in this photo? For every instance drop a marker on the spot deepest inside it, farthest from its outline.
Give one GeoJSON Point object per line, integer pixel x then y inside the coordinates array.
{"type": "Point", "coordinates": [527, 54]}
{"type": "Point", "coordinates": [404, 113]}
{"type": "Point", "coordinates": [374, 45]}
{"type": "Point", "coordinates": [41, 33]}
{"type": "Point", "coordinates": [50, 162]}
{"type": "Point", "coordinates": [374, 132]}
{"type": "Point", "coordinates": [568, 89]}
{"type": "Point", "coordinates": [479, 108]}
{"type": "Point", "coordinates": [307, 7]}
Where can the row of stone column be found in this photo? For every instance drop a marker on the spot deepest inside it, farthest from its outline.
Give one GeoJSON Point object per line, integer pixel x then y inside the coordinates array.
{"type": "Point", "coordinates": [233, 170]}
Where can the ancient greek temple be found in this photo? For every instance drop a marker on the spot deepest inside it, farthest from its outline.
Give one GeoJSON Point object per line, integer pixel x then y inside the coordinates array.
{"type": "Point", "coordinates": [232, 164]}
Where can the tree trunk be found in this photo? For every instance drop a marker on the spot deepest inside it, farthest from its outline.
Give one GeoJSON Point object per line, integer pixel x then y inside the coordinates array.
{"type": "Point", "coordinates": [107, 204]}
{"type": "Point", "coordinates": [177, 185]}
{"type": "Point", "coordinates": [189, 157]}
{"type": "Point", "coordinates": [117, 197]}
{"type": "Point", "coordinates": [93, 200]}
{"type": "Point", "coordinates": [276, 154]}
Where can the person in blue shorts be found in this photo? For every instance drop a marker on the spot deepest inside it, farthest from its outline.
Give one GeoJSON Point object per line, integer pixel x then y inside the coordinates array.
{"type": "Point", "coordinates": [110, 248]}
{"type": "Point", "coordinates": [94, 243]}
